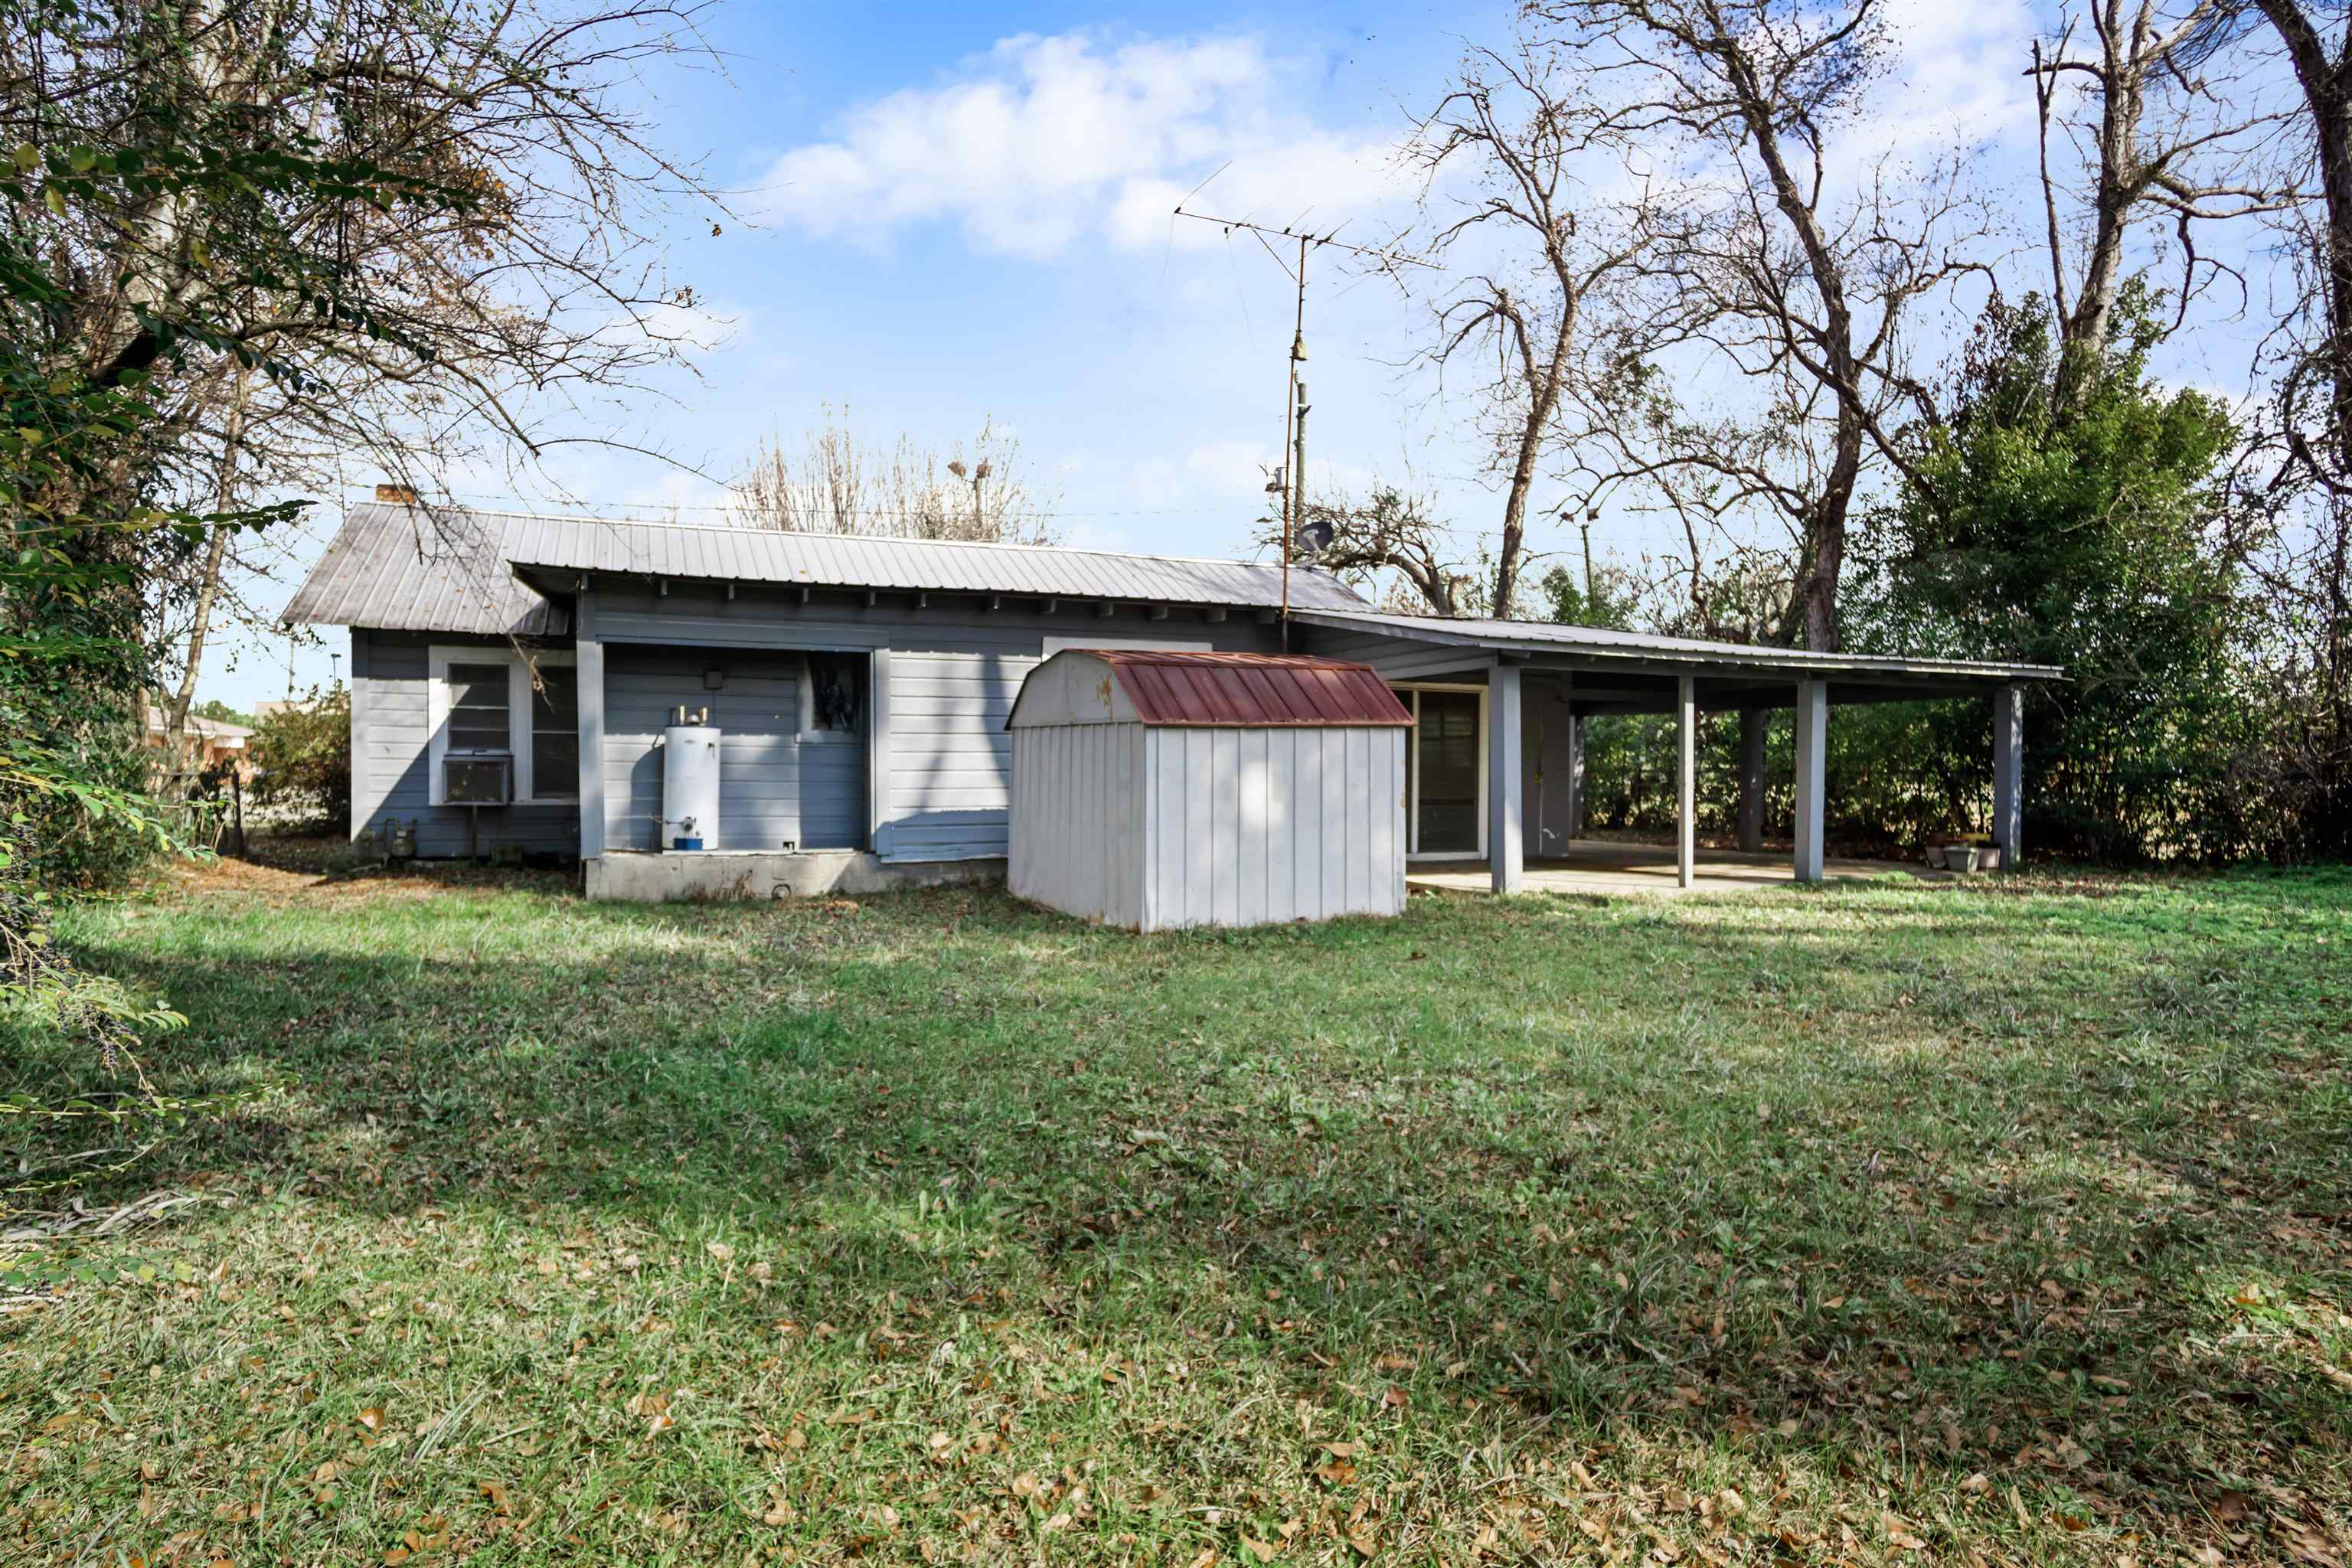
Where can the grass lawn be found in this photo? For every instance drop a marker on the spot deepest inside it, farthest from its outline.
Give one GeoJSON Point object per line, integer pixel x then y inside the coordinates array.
{"type": "Point", "coordinates": [2008, 1222]}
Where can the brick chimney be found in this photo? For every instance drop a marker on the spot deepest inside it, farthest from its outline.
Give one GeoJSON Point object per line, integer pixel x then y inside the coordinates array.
{"type": "Point", "coordinates": [398, 495]}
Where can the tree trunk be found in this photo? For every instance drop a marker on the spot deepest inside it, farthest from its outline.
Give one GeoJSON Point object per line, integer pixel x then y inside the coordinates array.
{"type": "Point", "coordinates": [1824, 547]}
{"type": "Point", "coordinates": [1812, 609]}
{"type": "Point", "coordinates": [175, 722]}
{"type": "Point", "coordinates": [1543, 401]}
{"type": "Point", "coordinates": [2083, 331]}
{"type": "Point", "coordinates": [1753, 728]}
{"type": "Point", "coordinates": [2327, 95]}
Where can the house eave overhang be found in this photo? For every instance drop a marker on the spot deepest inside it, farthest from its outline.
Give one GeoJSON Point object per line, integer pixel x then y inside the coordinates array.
{"type": "Point", "coordinates": [565, 582]}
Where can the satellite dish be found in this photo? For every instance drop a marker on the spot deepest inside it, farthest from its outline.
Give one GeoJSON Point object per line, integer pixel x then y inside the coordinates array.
{"type": "Point", "coordinates": [1313, 537]}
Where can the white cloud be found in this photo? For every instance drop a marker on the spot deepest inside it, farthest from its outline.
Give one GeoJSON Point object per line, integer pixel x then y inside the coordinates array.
{"type": "Point", "coordinates": [1316, 178]}
{"type": "Point", "coordinates": [1043, 141]}
{"type": "Point", "coordinates": [1963, 78]}
{"type": "Point", "coordinates": [709, 328]}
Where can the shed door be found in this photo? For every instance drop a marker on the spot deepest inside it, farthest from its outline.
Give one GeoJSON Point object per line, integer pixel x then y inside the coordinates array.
{"type": "Point", "coordinates": [1446, 753]}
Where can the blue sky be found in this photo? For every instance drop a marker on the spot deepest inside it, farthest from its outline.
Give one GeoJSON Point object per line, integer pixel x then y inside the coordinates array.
{"type": "Point", "coordinates": [951, 215]}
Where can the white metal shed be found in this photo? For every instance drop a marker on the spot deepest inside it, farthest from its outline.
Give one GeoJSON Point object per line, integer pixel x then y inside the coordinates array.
{"type": "Point", "coordinates": [1154, 790]}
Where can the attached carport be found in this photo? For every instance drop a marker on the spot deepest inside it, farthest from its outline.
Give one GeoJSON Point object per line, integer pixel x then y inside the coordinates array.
{"type": "Point", "coordinates": [1567, 674]}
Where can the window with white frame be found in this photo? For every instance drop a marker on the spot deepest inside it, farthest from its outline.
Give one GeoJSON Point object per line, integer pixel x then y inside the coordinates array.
{"type": "Point", "coordinates": [485, 702]}
{"type": "Point", "coordinates": [481, 704]}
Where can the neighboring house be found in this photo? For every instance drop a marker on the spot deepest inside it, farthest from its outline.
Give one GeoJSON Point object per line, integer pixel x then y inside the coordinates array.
{"type": "Point", "coordinates": [207, 744]}
{"type": "Point", "coordinates": [862, 687]}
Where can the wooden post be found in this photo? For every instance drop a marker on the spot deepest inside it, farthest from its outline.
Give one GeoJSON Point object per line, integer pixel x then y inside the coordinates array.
{"type": "Point", "coordinates": [2009, 773]}
{"type": "Point", "coordinates": [1812, 767]}
{"type": "Point", "coordinates": [1686, 781]}
{"type": "Point", "coordinates": [1754, 725]}
{"type": "Point", "coordinates": [1506, 850]}
{"type": "Point", "coordinates": [588, 674]}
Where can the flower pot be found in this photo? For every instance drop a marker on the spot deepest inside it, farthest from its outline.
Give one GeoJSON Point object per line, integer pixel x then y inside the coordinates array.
{"type": "Point", "coordinates": [1935, 856]}
{"type": "Point", "coordinates": [1989, 857]}
{"type": "Point", "coordinates": [1960, 856]}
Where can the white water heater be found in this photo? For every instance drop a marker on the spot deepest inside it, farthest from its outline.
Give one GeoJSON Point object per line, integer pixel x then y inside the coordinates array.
{"type": "Point", "coordinates": [690, 782]}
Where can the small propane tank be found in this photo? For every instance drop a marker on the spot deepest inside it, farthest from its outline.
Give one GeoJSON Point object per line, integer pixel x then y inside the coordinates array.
{"type": "Point", "coordinates": [690, 782]}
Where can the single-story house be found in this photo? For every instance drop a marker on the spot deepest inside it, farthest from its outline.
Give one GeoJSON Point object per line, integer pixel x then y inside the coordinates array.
{"type": "Point", "coordinates": [862, 688]}
{"type": "Point", "coordinates": [205, 743]}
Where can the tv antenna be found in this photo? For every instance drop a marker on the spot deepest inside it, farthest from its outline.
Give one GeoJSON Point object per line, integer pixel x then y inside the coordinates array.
{"type": "Point", "coordinates": [1294, 392]}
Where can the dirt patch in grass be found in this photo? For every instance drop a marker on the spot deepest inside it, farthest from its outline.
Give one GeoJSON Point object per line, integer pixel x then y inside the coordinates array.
{"type": "Point", "coordinates": [329, 869]}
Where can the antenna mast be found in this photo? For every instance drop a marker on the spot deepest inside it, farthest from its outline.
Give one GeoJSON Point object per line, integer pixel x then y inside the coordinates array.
{"type": "Point", "coordinates": [1294, 395]}
{"type": "Point", "coordinates": [1293, 441]}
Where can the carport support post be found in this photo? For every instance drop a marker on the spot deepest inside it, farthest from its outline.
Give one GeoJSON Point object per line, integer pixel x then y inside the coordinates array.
{"type": "Point", "coordinates": [2009, 772]}
{"type": "Point", "coordinates": [1686, 781]}
{"type": "Point", "coordinates": [1506, 852]}
{"type": "Point", "coordinates": [1812, 765]}
{"type": "Point", "coordinates": [588, 678]}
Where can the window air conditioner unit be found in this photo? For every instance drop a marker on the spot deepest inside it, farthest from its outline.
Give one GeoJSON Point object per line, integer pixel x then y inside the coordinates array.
{"type": "Point", "coordinates": [477, 780]}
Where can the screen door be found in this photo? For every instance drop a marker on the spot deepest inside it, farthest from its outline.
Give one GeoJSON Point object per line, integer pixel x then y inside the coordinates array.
{"type": "Point", "coordinates": [1446, 763]}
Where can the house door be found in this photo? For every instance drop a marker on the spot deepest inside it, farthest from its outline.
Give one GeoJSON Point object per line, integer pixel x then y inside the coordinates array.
{"type": "Point", "coordinates": [1448, 763]}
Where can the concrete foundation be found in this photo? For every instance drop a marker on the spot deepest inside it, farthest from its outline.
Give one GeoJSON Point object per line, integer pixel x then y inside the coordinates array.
{"type": "Point", "coordinates": [727, 876]}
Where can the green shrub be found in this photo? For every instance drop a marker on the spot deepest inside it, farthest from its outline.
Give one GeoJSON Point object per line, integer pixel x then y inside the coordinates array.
{"type": "Point", "coordinates": [304, 754]}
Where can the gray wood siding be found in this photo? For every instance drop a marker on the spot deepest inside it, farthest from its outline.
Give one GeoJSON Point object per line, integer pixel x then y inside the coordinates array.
{"type": "Point", "coordinates": [951, 758]}
{"type": "Point", "coordinates": [758, 715]}
{"type": "Point", "coordinates": [832, 795]}
{"type": "Point", "coordinates": [944, 783]}
{"type": "Point", "coordinates": [943, 790]}
{"type": "Point", "coordinates": [391, 753]}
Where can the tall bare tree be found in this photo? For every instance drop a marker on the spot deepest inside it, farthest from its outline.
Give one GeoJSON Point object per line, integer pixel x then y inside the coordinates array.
{"type": "Point", "coordinates": [2312, 582]}
{"type": "Point", "coordinates": [2323, 73]}
{"type": "Point", "coordinates": [1795, 262]}
{"type": "Point", "coordinates": [1506, 158]}
{"type": "Point", "coordinates": [2167, 128]}
{"type": "Point", "coordinates": [839, 483]}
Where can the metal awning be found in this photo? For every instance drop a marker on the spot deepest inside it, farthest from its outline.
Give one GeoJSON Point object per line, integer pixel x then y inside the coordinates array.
{"type": "Point", "coordinates": [1634, 671]}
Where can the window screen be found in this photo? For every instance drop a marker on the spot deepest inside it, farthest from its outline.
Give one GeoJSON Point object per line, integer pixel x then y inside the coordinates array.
{"type": "Point", "coordinates": [556, 734]}
{"type": "Point", "coordinates": [479, 716]}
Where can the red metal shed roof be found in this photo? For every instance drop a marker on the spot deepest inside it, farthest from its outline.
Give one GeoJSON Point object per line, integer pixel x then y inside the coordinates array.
{"type": "Point", "coordinates": [1250, 690]}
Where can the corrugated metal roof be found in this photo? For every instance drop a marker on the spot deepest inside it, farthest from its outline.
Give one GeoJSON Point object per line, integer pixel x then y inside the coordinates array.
{"type": "Point", "coordinates": [830, 560]}
{"type": "Point", "coordinates": [423, 569]}
{"type": "Point", "coordinates": [1250, 690]}
{"type": "Point", "coordinates": [452, 569]}
{"type": "Point", "coordinates": [1552, 637]}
